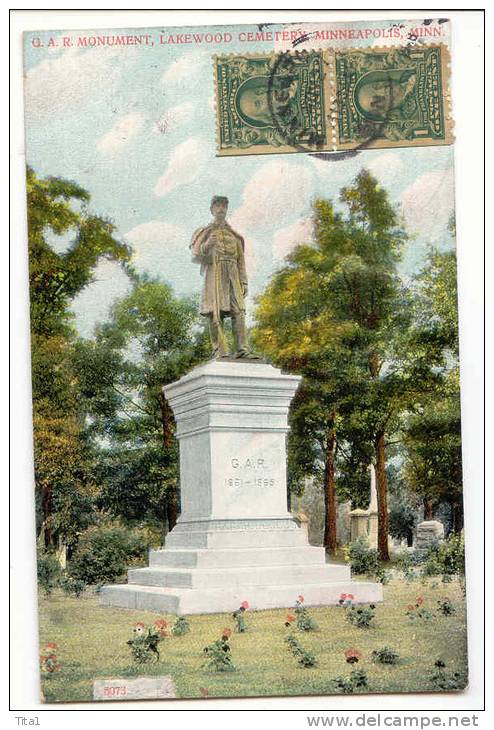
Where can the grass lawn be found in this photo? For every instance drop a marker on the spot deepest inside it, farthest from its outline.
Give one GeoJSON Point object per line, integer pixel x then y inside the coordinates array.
{"type": "Point", "coordinates": [91, 642]}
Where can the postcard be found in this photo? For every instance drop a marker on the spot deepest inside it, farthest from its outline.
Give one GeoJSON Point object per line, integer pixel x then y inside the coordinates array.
{"type": "Point", "coordinates": [245, 361]}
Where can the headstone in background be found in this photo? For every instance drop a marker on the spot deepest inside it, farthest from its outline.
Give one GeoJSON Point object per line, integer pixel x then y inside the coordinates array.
{"type": "Point", "coordinates": [359, 526]}
{"type": "Point", "coordinates": [428, 533]}
{"type": "Point", "coordinates": [343, 520]}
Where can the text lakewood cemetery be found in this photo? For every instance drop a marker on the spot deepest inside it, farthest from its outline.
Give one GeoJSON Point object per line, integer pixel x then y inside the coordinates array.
{"type": "Point", "coordinates": [244, 36]}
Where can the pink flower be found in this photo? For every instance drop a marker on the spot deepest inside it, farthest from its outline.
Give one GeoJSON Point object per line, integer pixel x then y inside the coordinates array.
{"type": "Point", "coordinates": [350, 596]}
{"type": "Point", "coordinates": [244, 604]}
{"type": "Point", "coordinates": [226, 633]}
{"type": "Point", "coordinates": [420, 601]}
{"type": "Point", "coordinates": [301, 599]}
{"type": "Point", "coordinates": [343, 596]}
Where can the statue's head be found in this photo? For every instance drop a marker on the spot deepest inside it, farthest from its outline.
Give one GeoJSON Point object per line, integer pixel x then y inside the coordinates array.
{"type": "Point", "coordinates": [219, 207]}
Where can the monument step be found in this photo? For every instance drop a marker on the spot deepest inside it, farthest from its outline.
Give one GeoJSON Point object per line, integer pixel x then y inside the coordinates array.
{"type": "Point", "coordinates": [242, 577]}
{"type": "Point", "coordinates": [240, 557]}
{"type": "Point", "coordinates": [186, 601]}
{"type": "Point", "coordinates": [236, 538]}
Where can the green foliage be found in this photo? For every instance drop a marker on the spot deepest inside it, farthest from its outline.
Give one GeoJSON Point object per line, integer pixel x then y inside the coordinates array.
{"type": "Point", "coordinates": [304, 620]}
{"type": "Point", "coordinates": [446, 606]}
{"type": "Point", "coordinates": [218, 655]}
{"type": "Point", "coordinates": [402, 520]}
{"type": "Point", "coordinates": [181, 626]}
{"type": "Point", "coordinates": [239, 618]}
{"type": "Point", "coordinates": [364, 560]}
{"type": "Point", "coordinates": [356, 681]}
{"type": "Point", "coordinates": [144, 644]}
{"type": "Point", "coordinates": [361, 616]}
{"type": "Point", "coordinates": [104, 553]}
{"type": "Point", "coordinates": [62, 457]}
{"type": "Point", "coordinates": [446, 679]}
{"type": "Point", "coordinates": [417, 611]}
{"type": "Point", "coordinates": [446, 558]}
{"type": "Point", "coordinates": [336, 313]}
{"type": "Point", "coordinates": [72, 586]}
{"type": "Point", "coordinates": [49, 571]}
{"type": "Point", "coordinates": [152, 338]}
{"type": "Point", "coordinates": [304, 658]}
{"type": "Point", "coordinates": [385, 655]}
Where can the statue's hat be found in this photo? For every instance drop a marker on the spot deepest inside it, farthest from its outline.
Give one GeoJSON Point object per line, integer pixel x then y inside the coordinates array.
{"type": "Point", "coordinates": [219, 199]}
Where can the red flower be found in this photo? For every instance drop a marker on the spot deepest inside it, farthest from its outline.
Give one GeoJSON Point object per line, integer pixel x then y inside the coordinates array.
{"type": "Point", "coordinates": [353, 655]}
{"type": "Point", "coordinates": [226, 633]}
{"type": "Point", "coordinates": [410, 607]}
{"type": "Point", "coordinates": [301, 599]}
{"type": "Point", "coordinates": [350, 596]}
{"type": "Point", "coordinates": [161, 625]}
{"type": "Point", "coordinates": [244, 604]}
{"type": "Point", "coordinates": [420, 601]}
{"type": "Point", "coordinates": [290, 618]}
{"type": "Point", "coordinates": [343, 596]}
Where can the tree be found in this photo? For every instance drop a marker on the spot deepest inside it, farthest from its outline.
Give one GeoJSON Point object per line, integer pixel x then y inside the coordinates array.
{"type": "Point", "coordinates": [62, 457]}
{"type": "Point", "coordinates": [151, 338]}
{"type": "Point", "coordinates": [433, 435]}
{"type": "Point", "coordinates": [332, 313]}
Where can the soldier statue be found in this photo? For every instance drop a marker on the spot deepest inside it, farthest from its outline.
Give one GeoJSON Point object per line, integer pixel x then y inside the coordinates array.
{"type": "Point", "coordinates": [220, 252]}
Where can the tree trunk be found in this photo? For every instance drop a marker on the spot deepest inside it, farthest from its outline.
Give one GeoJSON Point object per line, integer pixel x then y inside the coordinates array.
{"type": "Point", "coordinates": [47, 506]}
{"type": "Point", "coordinates": [171, 509]}
{"type": "Point", "coordinates": [330, 495]}
{"type": "Point", "coordinates": [382, 499]}
{"type": "Point", "coordinates": [457, 508]}
{"type": "Point", "coordinates": [428, 509]}
{"type": "Point", "coordinates": [167, 431]}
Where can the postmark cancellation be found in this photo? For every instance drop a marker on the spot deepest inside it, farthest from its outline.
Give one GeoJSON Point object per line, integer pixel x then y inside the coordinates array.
{"type": "Point", "coordinates": [330, 100]}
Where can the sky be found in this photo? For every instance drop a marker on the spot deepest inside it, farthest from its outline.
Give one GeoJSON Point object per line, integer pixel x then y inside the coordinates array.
{"type": "Point", "coordinates": [135, 126]}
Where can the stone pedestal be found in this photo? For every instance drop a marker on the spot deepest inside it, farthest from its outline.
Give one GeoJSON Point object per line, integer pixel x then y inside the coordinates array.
{"type": "Point", "coordinates": [235, 539]}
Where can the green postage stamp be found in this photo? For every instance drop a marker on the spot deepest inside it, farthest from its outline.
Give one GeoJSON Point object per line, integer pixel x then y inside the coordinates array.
{"type": "Point", "coordinates": [332, 100]}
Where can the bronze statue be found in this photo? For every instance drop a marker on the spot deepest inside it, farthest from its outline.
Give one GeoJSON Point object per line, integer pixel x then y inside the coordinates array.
{"type": "Point", "coordinates": [220, 251]}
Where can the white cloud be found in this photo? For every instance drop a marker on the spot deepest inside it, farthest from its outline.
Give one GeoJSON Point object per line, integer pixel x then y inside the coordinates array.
{"type": "Point", "coordinates": [186, 70]}
{"type": "Point", "coordinates": [289, 237]}
{"type": "Point", "coordinates": [184, 165]}
{"type": "Point", "coordinates": [151, 240]}
{"type": "Point", "coordinates": [428, 203]}
{"type": "Point", "coordinates": [121, 133]}
{"type": "Point", "coordinates": [68, 81]}
{"type": "Point", "coordinates": [174, 117]}
{"type": "Point", "coordinates": [162, 249]}
{"type": "Point", "coordinates": [277, 191]}
{"type": "Point", "coordinates": [387, 167]}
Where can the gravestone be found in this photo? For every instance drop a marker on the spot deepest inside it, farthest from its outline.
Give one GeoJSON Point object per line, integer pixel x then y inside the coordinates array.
{"type": "Point", "coordinates": [343, 520]}
{"type": "Point", "coordinates": [428, 533]}
{"type": "Point", "coordinates": [235, 539]}
{"type": "Point", "coordinates": [359, 524]}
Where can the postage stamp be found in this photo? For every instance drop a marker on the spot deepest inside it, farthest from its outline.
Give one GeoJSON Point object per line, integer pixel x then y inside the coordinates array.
{"type": "Point", "coordinates": [331, 100]}
{"type": "Point", "coordinates": [390, 97]}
